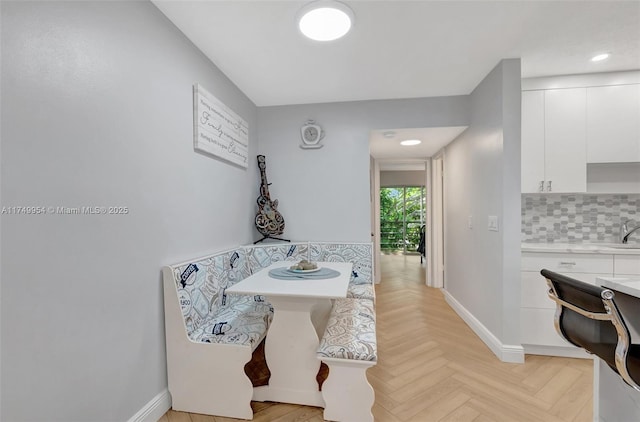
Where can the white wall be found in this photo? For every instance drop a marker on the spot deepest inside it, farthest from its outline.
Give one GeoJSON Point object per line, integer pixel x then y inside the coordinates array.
{"type": "Point", "coordinates": [511, 198]}
{"type": "Point", "coordinates": [482, 168]}
{"type": "Point", "coordinates": [97, 111]}
{"type": "Point", "coordinates": [324, 193]}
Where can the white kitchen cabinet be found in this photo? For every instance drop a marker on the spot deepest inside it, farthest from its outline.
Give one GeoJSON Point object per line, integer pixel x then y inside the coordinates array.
{"type": "Point", "coordinates": [568, 263]}
{"type": "Point", "coordinates": [565, 154]}
{"type": "Point", "coordinates": [537, 311]}
{"type": "Point", "coordinates": [626, 266]}
{"type": "Point", "coordinates": [554, 157]}
{"type": "Point", "coordinates": [613, 124]}
{"type": "Point", "coordinates": [532, 141]}
{"type": "Point", "coordinates": [538, 334]}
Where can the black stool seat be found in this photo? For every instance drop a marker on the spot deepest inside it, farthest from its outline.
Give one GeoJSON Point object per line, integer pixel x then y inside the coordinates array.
{"type": "Point", "coordinates": [588, 317]}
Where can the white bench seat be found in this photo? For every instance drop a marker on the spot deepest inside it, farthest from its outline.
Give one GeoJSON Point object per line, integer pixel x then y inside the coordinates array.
{"type": "Point", "coordinates": [214, 363]}
{"type": "Point", "coordinates": [211, 337]}
{"type": "Point", "coordinates": [350, 331]}
{"type": "Point", "coordinates": [349, 348]}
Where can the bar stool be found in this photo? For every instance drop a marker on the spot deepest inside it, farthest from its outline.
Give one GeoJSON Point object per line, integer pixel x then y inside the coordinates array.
{"type": "Point", "coordinates": [587, 317]}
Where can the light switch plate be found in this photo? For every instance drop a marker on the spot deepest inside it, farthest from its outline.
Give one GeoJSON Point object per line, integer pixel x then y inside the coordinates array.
{"type": "Point", "coordinates": [470, 221]}
{"type": "Point", "coordinates": [493, 223]}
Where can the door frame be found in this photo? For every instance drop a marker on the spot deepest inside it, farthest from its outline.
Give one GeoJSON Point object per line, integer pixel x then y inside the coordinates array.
{"type": "Point", "coordinates": [374, 178]}
{"type": "Point", "coordinates": [435, 277]}
{"type": "Point", "coordinates": [375, 217]}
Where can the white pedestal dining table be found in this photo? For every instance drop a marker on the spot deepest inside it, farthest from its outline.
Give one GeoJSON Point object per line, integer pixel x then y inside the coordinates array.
{"type": "Point", "coordinates": [301, 307]}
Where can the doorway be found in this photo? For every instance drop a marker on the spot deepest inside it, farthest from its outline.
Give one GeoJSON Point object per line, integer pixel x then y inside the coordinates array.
{"type": "Point", "coordinates": [402, 219]}
{"type": "Point", "coordinates": [402, 186]}
{"type": "Point", "coordinates": [403, 150]}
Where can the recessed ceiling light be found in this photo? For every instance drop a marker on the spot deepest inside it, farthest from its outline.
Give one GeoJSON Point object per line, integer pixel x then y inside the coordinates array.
{"type": "Point", "coordinates": [410, 142]}
{"type": "Point", "coordinates": [325, 20]}
{"type": "Point", "coordinates": [600, 57]}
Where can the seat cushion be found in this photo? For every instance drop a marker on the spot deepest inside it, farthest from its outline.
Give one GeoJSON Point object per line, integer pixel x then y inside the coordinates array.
{"type": "Point", "coordinates": [243, 322]}
{"type": "Point", "coordinates": [361, 291]}
{"type": "Point", "coordinates": [351, 331]}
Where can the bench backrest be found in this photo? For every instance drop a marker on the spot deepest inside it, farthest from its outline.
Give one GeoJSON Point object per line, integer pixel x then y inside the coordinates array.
{"type": "Point", "coordinates": [201, 284]}
{"type": "Point", "coordinates": [359, 254]}
{"type": "Point", "coordinates": [261, 256]}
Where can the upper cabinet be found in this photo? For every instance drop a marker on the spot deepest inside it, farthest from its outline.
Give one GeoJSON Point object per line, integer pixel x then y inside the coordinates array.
{"type": "Point", "coordinates": [565, 151]}
{"type": "Point", "coordinates": [613, 124]}
{"type": "Point", "coordinates": [532, 141]}
{"type": "Point", "coordinates": [553, 141]}
{"type": "Point", "coordinates": [572, 126]}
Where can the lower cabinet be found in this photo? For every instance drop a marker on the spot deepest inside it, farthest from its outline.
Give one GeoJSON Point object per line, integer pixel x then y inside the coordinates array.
{"type": "Point", "coordinates": [538, 333]}
{"type": "Point", "coordinates": [626, 266]}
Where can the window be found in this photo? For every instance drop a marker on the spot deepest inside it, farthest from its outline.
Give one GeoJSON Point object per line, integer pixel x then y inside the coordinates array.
{"type": "Point", "coordinates": [402, 214]}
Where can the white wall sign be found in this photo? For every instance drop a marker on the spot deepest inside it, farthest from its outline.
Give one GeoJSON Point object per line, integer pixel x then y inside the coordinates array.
{"type": "Point", "coordinates": [218, 130]}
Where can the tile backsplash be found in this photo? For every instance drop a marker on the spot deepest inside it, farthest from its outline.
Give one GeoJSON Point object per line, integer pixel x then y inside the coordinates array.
{"type": "Point", "coordinates": [578, 218]}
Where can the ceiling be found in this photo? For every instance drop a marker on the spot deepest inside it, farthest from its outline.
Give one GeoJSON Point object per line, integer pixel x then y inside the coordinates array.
{"type": "Point", "coordinates": [404, 49]}
{"type": "Point", "coordinates": [385, 144]}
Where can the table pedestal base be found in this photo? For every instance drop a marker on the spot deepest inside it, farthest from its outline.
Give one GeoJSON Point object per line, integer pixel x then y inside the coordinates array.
{"type": "Point", "coordinates": [290, 350]}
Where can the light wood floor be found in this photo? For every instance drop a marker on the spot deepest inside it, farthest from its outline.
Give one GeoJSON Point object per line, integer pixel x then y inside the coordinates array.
{"type": "Point", "coordinates": [432, 367]}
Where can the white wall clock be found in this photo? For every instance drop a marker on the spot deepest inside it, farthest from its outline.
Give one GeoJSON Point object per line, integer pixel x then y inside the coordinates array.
{"type": "Point", "coordinates": [312, 134]}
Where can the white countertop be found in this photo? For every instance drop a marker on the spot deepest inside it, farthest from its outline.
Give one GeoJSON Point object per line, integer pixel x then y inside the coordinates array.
{"type": "Point", "coordinates": [630, 286]}
{"type": "Point", "coordinates": [600, 248]}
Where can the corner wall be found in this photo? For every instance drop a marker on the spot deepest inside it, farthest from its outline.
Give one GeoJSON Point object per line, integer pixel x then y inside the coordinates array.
{"type": "Point", "coordinates": [324, 193]}
{"type": "Point", "coordinates": [482, 178]}
{"type": "Point", "coordinates": [97, 111]}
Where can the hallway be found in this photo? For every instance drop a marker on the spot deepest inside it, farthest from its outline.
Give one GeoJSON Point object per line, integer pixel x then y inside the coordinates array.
{"type": "Point", "coordinates": [432, 367]}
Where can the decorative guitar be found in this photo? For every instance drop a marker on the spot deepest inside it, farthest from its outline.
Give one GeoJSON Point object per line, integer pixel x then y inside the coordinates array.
{"type": "Point", "coordinates": [269, 221]}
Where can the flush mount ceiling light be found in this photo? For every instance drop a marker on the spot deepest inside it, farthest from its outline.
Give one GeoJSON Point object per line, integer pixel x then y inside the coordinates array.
{"type": "Point", "coordinates": [410, 142]}
{"type": "Point", "coordinates": [600, 57]}
{"type": "Point", "coordinates": [325, 20]}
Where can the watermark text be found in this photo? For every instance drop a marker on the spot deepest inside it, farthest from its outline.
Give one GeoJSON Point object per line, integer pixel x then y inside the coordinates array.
{"type": "Point", "coordinates": [64, 210]}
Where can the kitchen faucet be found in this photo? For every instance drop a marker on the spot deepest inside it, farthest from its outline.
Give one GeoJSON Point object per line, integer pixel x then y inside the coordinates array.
{"type": "Point", "coordinates": [625, 231]}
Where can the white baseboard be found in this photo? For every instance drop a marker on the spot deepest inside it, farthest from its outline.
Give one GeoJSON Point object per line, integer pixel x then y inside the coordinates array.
{"type": "Point", "coordinates": [512, 353]}
{"type": "Point", "coordinates": [565, 352]}
{"type": "Point", "coordinates": [154, 410]}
